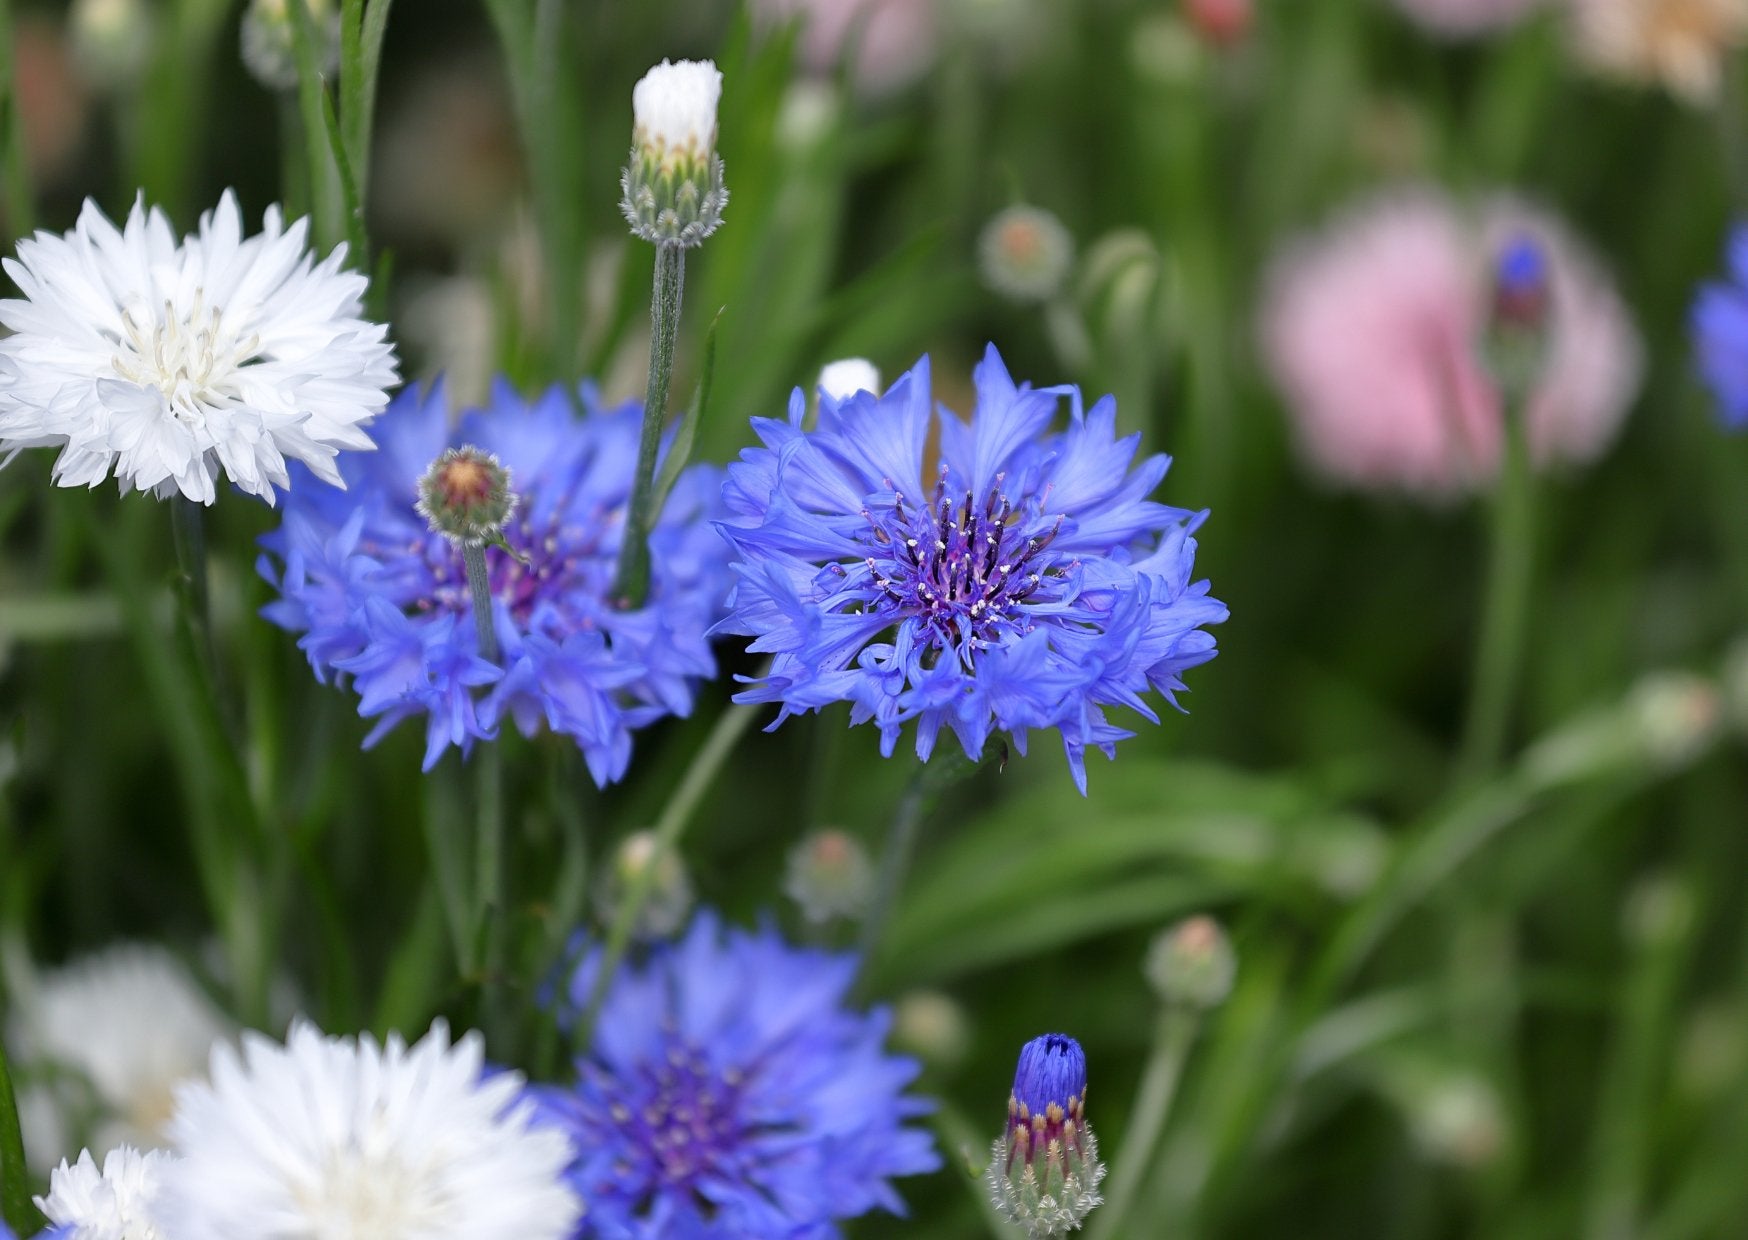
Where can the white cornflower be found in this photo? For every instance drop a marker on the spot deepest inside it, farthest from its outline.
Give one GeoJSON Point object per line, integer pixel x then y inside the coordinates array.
{"type": "Point", "coordinates": [673, 108]}
{"type": "Point", "coordinates": [342, 1139]}
{"type": "Point", "coordinates": [165, 363]}
{"type": "Point", "coordinates": [114, 1204]}
{"type": "Point", "coordinates": [672, 192]}
{"type": "Point", "coordinates": [109, 1038]}
{"type": "Point", "coordinates": [847, 376]}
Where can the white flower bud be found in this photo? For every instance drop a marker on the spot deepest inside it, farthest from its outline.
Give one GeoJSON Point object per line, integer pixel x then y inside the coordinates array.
{"type": "Point", "coordinates": [847, 376]}
{"type": "Point", "coordinates": [270, 43]}
{"type": "Point", "coordinates": [674, 111]}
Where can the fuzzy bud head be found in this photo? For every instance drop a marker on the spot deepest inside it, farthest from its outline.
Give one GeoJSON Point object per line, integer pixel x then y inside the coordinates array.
{"type": "Point", "coordinates": [670, 892]}
{"type": "Point", "coordinates": [466, 496]}
{"type": "Point", "coordinates": [111, 41]}
{"type": "Point", "coordinates": [829, 876]}
{"type": "Point", "coordinates": [672, 191]}
{"type": "Point", "coordinates": [1025, 254]}
{"type": "Point", "coordinates": [1220, 23]}
{"type": "Point", "coordinates": [1044, 1173]}
{"type": "Point", "coordinates": [270, 42]}
{"type": "Point", "coordinates": [1192, 964]}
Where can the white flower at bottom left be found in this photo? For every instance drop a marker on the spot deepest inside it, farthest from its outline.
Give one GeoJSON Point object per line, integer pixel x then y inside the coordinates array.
{"type": "Point", "coordinates": [113, 1204]}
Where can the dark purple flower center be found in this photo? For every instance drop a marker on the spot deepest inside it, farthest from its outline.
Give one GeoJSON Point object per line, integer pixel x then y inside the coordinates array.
{"type": "Point", "coordinates": [559, 560]}
{"type": "Point", "coordinates": [962, 567]}
{"type": "Point", "coordinates": [677, 1118]}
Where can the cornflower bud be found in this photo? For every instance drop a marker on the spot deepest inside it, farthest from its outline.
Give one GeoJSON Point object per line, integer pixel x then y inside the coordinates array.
{"type": "Point", "coordinates": [670, 892]}
{"type": "Point", "coordinates": [672, 186]}
{"type": "Point", "coordinates": [1517, 324]}
{"type": "Point", "coordinates": [1044, 1173]}
{"type": "Point", "coordinates": [466, 496]}
{"type": "Point", "coordinates": [1192, 964]}
{"type": "Point", "coordinates": [847, 376]}
{"type": "Point", "coordinates": [829, 876]}
{"type": "Point", "coordinates": [111, 41]}
{"type": "Point", "coordinates": [270, 43]}
{"type": "Point", "coordinates": [1025, 254]}
{"type": "Point", "coordinates": [1220, 23]}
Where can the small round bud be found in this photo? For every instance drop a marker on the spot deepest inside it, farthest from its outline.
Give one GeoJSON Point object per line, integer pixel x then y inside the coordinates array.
{"type": "Point", "coordinates": [1192, 964]}
{"type": "Point", "coordinates": [847, 376]}
{"type": "Point", "coordinates": [829, 876]}
{"type": "Point", "coordinates": [111, 41]}
{"type": "Point", "coordinates": [807, 116]}
{"type": "Point", "coordinates": [1457, 1119]}
{"type": "Point", "coordinates": [466, 496]}
{"type": "Point", "coordinates": [1044, 1173]}
{"type": "Point", "coordinates": [1517, 324]}
{"type": "Point", "coordinates": [1220, 23]}
{"type": "Point", "coordinates": [1659, 910]}
{"type": "Point", "coordinates": [1025, 254]}
{"type": "Point", "coordinates": [672, 192]}
{"type": "Point", "coordinates": [270, 43]}
{"type": "Point", "coordinates": [670, 893]}
{"type": "Point", "coordinates": [1674, 716]}
{"type": "Point", "coordinates": [933, 1027]}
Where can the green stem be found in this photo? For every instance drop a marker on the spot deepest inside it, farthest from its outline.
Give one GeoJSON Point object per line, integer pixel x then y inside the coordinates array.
{"type": "Point", "coordinates": [15, 1204]}
{"type": "Point", "coordinates": [894, 862]}
{"type": "Point", "coordinates": [1510, 574]}
{"type": "Point", "coordinates": [664, 314]}
{"type": "Point", "coordinates": [1172, 1038]}
{"type": "Point", "coordinates": [1733, 137]}
{"type": "Point", "coordinates": [729, 728]}
{"type": "Point", "coordinates": [14, 170]}
{"type": "Point", "coordinates": [479, 584]}
{"type": "Point", "coordinates": [489, 901]}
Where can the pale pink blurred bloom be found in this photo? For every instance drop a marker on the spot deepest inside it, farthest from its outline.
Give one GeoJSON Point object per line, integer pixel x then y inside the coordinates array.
{"type": "Point", "coordinates": [52, 101]}
{"type": "Point", "coordinates": [1683, 44]}
{"type": "Point", "coordinates": [893, 40]}
{"type": "Point", "coordinates": [1374, 332]}
{"type": "Point", "coordinates": [1467, 18]}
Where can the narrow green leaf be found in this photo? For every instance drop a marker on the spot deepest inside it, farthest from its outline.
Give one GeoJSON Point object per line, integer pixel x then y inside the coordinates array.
{"type": "Point", "coordinates": [326, 205]}
{"type": "Point", "coordinates": [14, 172]}
{"type": "Point", "coordinates": [348, 187]}
{"type": "Point", "coordinates": [15, 1204]}
{"type": "Point", "coordinates": [681, 449]}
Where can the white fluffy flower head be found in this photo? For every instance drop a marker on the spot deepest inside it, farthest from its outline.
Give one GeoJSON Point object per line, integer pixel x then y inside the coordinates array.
{"type": "Point", "coordinates": [114, 1204]}
{"type": "Point", "coordinates": [673, 107]}
{"type": "Point", "coordinates": [165, 362]}
{"type": "Point", "coordinates": [340, 1139]}
{"type": "Point", "coordinates": [847, 376]}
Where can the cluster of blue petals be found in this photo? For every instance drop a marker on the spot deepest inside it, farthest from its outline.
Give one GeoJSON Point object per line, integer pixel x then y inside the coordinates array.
{"type": "Point", "coordinates": [977, 575]}
{"type": "Point", "coordinates": [1720, 333]}
{"type": "Point", "coordinates": [382, 602]}
{"type": "Point", "coordinates": [1052, 1069]}
{"type": "Point", "coordinates": [730, 1094]}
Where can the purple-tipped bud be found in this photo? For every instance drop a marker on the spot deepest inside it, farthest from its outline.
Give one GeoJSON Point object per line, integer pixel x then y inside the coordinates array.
{"type": "Point", "coordinates": [1520, 284]}
{"type": "Point", "coordinates": [1045, 1172]}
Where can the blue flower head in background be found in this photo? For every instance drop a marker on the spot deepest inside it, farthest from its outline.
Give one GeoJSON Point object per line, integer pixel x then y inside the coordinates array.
{"type": "Point", "coordinates": [729, 1092]}
{"type": "Point", "coordinates": [1720, 333]}
{"type": "Point", "coordinates": [1044, 1172]}
{"type": "Point", "coordinates": [381, 601]}
{"type": "Point", "coordinates": [984, 575]}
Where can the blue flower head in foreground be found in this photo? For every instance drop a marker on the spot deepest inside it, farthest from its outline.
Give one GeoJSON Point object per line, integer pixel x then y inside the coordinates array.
{"type": "Point", "coordinates": [1720, 333]}
{"type": "Point", "coordinates": [382, 601]}
{"type": "Point", "coordinates": [730, 1094]}
{"type": "Point", "coordinates": [989, 575]}
{"type": "Point", "coordinates": [1044, 1172]}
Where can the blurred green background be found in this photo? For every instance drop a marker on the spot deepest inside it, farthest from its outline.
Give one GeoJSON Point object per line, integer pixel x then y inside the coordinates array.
{"type": "Point", "coordinates": [1514, 1011]}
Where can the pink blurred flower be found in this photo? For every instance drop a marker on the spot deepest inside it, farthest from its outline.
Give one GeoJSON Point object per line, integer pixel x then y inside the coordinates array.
{"type": "Point", "coordinates": [1373, 331]}
{"type": "Point", "coordinates": [893, 39]}
{"type": "Point", "coordinates": [1467, 18]}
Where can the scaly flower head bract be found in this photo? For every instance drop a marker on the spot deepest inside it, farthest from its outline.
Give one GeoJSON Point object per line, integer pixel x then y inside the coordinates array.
{"type": "Point", "coordinates": [345, 1139]}
{"type": "Point", "coordinates": [1720, 332]}
{"type": "Point", "coordinates": [382, 601]}
{"type": "Point", "coordinates": [167, 362]}
{"type": "Point", "coordinates": [980, 576]}
{"type": "Point", "coordinates": [730, 1094]}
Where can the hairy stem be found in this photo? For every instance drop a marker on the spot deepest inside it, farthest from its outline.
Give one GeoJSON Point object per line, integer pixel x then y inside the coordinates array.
{"type": "Point", "coordinates": [632, 585]}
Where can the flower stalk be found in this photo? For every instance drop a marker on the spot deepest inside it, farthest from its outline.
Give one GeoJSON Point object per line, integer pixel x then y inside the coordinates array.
{"type": "Point", "coordinates": [632, 584]}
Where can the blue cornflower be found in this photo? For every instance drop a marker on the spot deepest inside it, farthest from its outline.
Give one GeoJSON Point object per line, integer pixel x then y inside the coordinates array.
{"type": "Point", "coordinates": [1720, 333]}
{"type": "Point", "coordinates": [382, 601]}
{"type": "Point", "coordinates": [730, 1094]}
{"type": "Point", "coordinates": [1031, 584]}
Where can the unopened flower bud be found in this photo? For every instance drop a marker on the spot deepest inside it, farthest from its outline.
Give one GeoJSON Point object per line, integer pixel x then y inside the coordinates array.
{"type": "Point", "coordinates": [111, 41]}
{"type": "Point", "coordinates": [670, 892]}
{"type": "Point", "coordinates": [672, 187]}
{"type": "Point", "coordinates": [932, 1026]}
{"type": "Point", "coordinates": [1659, 910]}
{"type": "Point", "coordinates": [1025, 254]}
{"type": "Point", "coordinates": [466, 496]}
{"type": "Point", "coordinates": [1517, 326]}
{"type": "Point", "coordinates": [829, 876]}
{"type": "Point", "coordinates": [270, 42]}
{"type": "Point", "coordinates": [1221, 23]}
{"type": "Point", "coordinates": [1044, 1173]}
{"type": "Point", "coordinates": [1457, 1119]}
{"type": "Point", "coordinates": [844, 378]}
{"type": "Point", "coordinates": [1674, 716]}
{"type": "Point", "coordinates": [1192, 964]}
